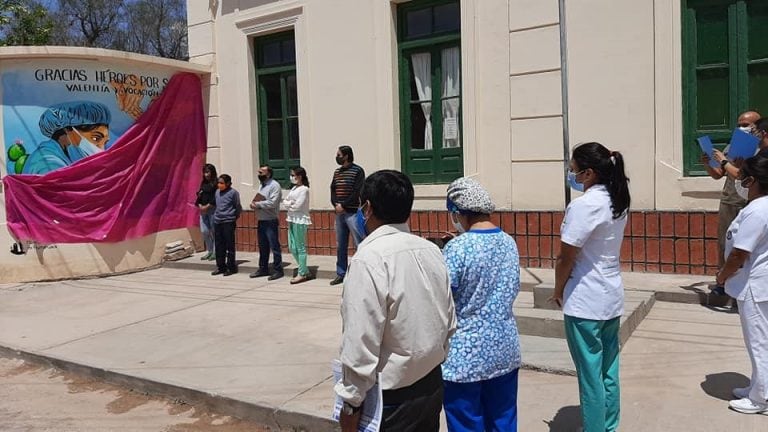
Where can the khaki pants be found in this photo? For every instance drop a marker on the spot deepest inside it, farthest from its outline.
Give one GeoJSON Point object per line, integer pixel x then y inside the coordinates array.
{"type": "Point", "coordinates": [726, 214]}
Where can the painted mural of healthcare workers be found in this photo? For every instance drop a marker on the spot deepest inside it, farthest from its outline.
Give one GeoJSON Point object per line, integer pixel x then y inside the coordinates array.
{"type": "Point", "coordinates": [745, 276]}
{"type": "Point", "coordinates": [588, 282]}
{"type": "Point", "coordinates": [76, 130]}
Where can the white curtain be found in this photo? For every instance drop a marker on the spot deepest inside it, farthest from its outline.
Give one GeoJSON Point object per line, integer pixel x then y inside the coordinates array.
{"type": "Point", "coordinates": [422, 72]}
{"type": "Point", "coordinates": [451, 89]}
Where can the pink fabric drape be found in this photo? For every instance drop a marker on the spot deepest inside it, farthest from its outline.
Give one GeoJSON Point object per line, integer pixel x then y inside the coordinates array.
{"type": "Point", "coordinates": [145, 183]}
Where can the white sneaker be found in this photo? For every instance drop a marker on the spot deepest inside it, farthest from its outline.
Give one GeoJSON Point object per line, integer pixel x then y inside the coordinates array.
{"type": "Point", "coordinates": [748, 406]}
{"type": "Point", "coordinates": [741, 392]}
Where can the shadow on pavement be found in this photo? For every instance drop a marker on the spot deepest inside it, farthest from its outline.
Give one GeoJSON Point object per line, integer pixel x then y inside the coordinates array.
{"type": "Point", "coordinates": [567, 419]}
{"type": "Point", "coordinates": [721, 385]}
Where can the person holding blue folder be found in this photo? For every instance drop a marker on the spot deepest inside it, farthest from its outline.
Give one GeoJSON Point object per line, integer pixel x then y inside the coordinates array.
{"type": "Point", "coordinates": [730, 201]}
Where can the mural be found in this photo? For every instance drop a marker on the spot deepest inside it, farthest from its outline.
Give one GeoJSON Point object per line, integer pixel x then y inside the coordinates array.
{"type": "Point", "coordinates": [56, 114]}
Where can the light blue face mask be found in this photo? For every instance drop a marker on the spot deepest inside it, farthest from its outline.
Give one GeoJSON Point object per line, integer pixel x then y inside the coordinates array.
{"type": "Point", "coordinates": [360, 223]}
{"type": "Point", "coordinates": [579, 187]}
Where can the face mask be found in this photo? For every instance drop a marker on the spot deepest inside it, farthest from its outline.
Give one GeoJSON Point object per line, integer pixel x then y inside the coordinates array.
{"type": "Point", "coordinates": [340, 160]}
{"type": "Point", "coordinates": [360, 221]}
{"type": "Point", "coordinates": [746, 129]}
{"type": "Point", "coordinates": [294, 180]}
{"type": "Point", "coordinates": [456, 224]}
{"type": "Point", "coordinates": [86, 146]}
{"type": "Point", "coordinates": [262, 178]}
{"type": "Point", "coordinates": [573, 183]}
{"type": "Point", "coordinates": [741, 190]}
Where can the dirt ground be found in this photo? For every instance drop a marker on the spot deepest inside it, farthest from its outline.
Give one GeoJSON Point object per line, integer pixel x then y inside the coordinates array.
{"type": "Point", "coordinates": [35, 398]}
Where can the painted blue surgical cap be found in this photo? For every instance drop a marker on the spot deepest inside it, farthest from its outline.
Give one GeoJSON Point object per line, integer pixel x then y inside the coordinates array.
{"type": "Point", "coordinates": [71, 114]}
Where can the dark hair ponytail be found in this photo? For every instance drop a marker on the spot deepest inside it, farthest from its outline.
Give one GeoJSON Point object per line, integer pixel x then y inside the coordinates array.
{"type": "Point", "coordinates": [609, 167]}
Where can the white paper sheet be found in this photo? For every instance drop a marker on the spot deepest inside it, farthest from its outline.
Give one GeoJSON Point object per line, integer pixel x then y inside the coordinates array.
{"type": "Point", "coordinates": [373, 405]}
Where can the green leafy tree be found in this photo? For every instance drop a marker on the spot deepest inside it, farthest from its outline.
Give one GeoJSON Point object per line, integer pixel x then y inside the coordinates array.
{"type": "Point", "coordinates": [25, 22]}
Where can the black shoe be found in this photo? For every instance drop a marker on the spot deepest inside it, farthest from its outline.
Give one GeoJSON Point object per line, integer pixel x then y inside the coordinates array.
{"type": "Point", "coordinates": [260, 273]}
{"type": "Point", "coordinates": [216, 272]}
{"type": "Point", "coordinates": [275, 276]}
{"type": "Point", "coordinates": [338, 280]}
{"type": "Point", "coordinates": [718, 290]}
{"type": "Point", "coordinates": [230, 272]}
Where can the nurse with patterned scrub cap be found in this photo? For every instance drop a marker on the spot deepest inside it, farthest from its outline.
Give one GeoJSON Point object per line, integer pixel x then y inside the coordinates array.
{"type": "Point", "coordinates": [481, 371]}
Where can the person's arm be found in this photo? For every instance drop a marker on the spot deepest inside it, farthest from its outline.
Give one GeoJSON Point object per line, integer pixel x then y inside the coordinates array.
{"type": "Point", "coordinates": [300, 197]}
{"type": "Point", "coordinates": [735, 261]}
{"type": "Point", "coordinates": [363, 312]}
{"type": "Point", "coordinates": [353, 200]}
{"type": "Point", "coordinates": [580, 221]}
{"type": "Point", "coordinates": [272, 199]}
{"type": "Point", "coordinates": [730, 169]}
{"type": "Point", "coordinates": [454, 261]}
{"type": "Point", "coordinates": [238, 206]}
{"type": "Point", "coordinates": [751, 232]}
{"type": "Point", "coordinates": [563, 269]}
{"type": "Point", "coordinates": [334, 199]}
{"type": "Point", "coordinates": [715, 173]}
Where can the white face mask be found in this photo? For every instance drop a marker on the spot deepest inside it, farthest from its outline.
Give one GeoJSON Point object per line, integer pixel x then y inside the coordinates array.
{"type": "Point", "coordinates": [741, 190]}
{"type": "Point", "coordinates": [745, 129]}
{"type": "Point", "coordinates": [87, 147]}
{"type": "Point", "coordinates": [294, 180]}
{"type": "Point", "coordinates": [456, 224]}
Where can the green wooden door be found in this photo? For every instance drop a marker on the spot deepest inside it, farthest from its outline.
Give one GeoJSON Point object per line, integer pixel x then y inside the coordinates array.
{"type": "Point", "coordinates": [278, 104]}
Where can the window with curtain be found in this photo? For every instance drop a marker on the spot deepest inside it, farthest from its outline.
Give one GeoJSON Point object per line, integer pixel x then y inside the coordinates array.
{"type": "Point", "coordinates": [725, 70]}
{"type": "Point", "coordinates": [430, 90]}
{"type": "Point", "coordinates": [278, 111]}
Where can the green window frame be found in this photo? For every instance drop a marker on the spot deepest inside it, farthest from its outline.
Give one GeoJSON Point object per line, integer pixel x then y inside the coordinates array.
{"type": "Point", "coordinates": [429, 34]}
{"type": "Point", "coordinates": [725, 70]}
{"type": "Point", "coordinates": [278, 113]}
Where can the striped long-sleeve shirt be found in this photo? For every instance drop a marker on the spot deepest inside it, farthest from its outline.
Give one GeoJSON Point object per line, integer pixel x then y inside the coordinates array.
{"type": "Point", "coordinates": [346, 186]}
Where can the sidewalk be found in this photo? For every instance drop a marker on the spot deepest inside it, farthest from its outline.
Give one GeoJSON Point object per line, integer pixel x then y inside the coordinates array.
{"type": "Point", "coordinates": [262, 350]}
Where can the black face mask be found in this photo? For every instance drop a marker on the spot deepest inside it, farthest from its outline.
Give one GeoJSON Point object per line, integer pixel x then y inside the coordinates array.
{"type": "Point", "coordinates": [340, 160]}
{"type": "Point", "coordinates": [263, 178]}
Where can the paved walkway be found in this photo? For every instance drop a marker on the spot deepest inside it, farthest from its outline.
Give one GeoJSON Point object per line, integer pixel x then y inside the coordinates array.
{"type": "Point", "coordinates": [263, 349]}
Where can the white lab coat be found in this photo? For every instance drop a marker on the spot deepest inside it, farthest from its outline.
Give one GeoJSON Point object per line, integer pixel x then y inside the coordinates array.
{"type": "Point", "coordinates": [595, 290]}
{"type": "Point", "coordinates": [749, 286]}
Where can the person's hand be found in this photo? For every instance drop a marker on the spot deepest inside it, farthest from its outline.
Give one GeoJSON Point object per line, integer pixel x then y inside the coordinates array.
{"type": "Point", "coordinates": [718, 156]}
{"type": "Point", "coordinates": [738, 162]}
{"type": "Point", "coordinates": [129, 97]}
{"type": "Point", "coordinates": [556, 299]}
{"type": "Point", "coordinates": [339, 209]}
{"type": "Point", "coordinates": [350, 422]}
{"type": "Point", "coordinates": [719, 280]}
{"type": "Point", "coordinates": [447, 236]}
{"type": "Point", "coordinates": [704, 159]}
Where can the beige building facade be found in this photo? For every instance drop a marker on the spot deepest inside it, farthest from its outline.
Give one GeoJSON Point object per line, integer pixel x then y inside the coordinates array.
{"type": "Point", "coordinates": [536, 78]}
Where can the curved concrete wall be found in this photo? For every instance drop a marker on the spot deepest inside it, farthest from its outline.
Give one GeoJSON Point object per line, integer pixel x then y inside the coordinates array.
{"type": "Point", "coordinates": [125, 81]}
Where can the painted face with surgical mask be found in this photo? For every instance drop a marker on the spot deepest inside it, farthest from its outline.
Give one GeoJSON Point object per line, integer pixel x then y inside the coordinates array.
{"type": "Point", "coordinates": [86, 141]}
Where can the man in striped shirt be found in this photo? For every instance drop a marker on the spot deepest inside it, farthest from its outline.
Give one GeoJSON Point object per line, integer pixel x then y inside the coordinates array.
{"type": "Point", "coordinates": [345, 198]}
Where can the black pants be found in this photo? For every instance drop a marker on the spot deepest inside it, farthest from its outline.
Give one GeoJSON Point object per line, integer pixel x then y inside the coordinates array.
{"type": "Point", "coordinates": [225, 246]}
{"type": "Point", "coordinates": [415, 408]}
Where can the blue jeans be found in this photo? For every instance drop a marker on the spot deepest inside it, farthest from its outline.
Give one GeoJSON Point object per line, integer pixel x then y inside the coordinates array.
{"type": "Point", "coordinates": [489, 405]}
{"type": "Point", "coordinates": [206, 229]}
{"type": "Point", "coordinates": [269, 239]}
{"type": "Point", "coordinates": [345, 225]}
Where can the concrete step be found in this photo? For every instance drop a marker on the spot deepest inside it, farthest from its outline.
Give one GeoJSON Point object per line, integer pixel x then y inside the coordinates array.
{"type": "Point", "coordinates": [548, 323]}
{"type": "Point", "coordinates": [545, 354]}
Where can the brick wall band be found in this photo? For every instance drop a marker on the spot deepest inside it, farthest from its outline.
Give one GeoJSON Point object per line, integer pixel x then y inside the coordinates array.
{"type": "Point", "coordinates": [657, 242]}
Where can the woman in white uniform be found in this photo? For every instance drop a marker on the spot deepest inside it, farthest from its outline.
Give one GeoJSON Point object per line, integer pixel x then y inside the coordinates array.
{"type": "Point", "coordinates": [745, 275]}
{"type": "Point", "coordinates": [588, 280]}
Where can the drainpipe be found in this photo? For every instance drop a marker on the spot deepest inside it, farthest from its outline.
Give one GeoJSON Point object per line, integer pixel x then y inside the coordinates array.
{"type": "Point", "coordinates": [564, 98]}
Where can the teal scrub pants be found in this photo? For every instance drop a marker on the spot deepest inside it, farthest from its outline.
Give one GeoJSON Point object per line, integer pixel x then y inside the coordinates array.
{"type": "Point", "coordinates": [594, 347]}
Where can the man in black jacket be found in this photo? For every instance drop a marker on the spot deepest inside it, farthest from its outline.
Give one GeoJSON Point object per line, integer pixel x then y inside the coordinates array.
{"type": "Point", "coordinates": [345, 197]}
